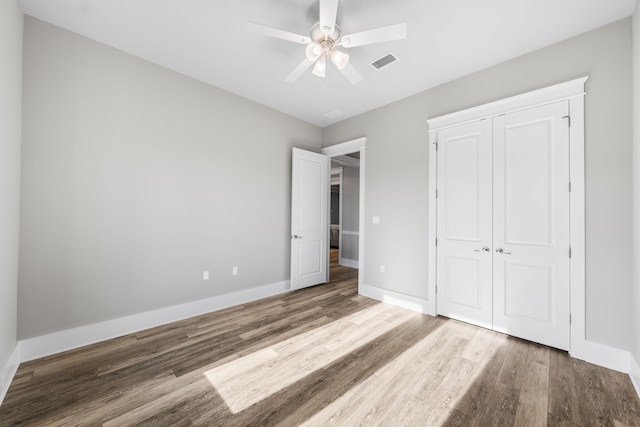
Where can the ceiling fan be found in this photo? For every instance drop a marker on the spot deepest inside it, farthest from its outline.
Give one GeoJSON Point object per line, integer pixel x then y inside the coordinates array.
{"type": "Point", "coordinates": [325, 37]}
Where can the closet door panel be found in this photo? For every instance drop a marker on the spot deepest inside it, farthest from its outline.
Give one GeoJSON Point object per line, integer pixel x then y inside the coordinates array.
{"type": "Point", "coordinates": [527, 176]}
{"type": "Point", "coordinates": [531, 224]}
{"type": "Point", "coordinates": [464, 223]}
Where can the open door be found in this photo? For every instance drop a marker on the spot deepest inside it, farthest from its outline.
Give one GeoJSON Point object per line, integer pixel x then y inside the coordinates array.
{"type": "Point", "coordinates": [309, 218]}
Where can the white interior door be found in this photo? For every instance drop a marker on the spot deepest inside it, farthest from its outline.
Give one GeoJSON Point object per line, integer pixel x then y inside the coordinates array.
{"type": "Point", "coordinates": [309, 218]}
{"type": "Point", "coordinates": [503, 224]}
{"type": "Point", "coordinates": [531, 224]}
{"type": "Point", "coordinates": [464, 281]}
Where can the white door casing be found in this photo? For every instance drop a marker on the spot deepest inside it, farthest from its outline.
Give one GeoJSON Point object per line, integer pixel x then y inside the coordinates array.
{"type": "Point", "coordinates": [309, 218]}
{"type": "Point", "coordinates": [464, 223]}
{"type": "Point", "coordinates": [531, 224]}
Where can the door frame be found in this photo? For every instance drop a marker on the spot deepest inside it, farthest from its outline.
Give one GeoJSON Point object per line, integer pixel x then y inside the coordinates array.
{"type": "Point", "coordinates": [574, 92]}
{"type": "Point", "coordinates": [349, 147]}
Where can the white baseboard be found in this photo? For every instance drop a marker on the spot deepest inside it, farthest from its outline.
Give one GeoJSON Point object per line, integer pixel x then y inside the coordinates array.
{"type": "Point", "coordinates": [8, 371]}
{"type": "Point", "coordinates": [601, 355]}
{"type": "Point", "coordinates": [353, 263]}
{"type": "Point", "coordinates": [395, 298]}
{"type": "Point", "coordinates": [635, 374]}
{"type": "Point", "coordinates": [45, 345]}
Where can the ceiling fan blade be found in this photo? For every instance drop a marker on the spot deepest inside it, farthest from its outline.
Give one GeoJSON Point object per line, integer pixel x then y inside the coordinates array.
{"type": "Point", "coordinates": [299, 71]}
{"type": "Point", "coordinates": [352, 74]}
{"type": "Point", "coordinates": [328, 14]}
{"type": "Point", "coordinates": [377, 35]}
{"type": "Point", "coordinates": [277, 33]}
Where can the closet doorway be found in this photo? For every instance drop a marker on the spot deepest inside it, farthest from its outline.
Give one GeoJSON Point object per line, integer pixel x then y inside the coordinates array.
{"type": "Point", "coordinates": [507, 215]}
{"type": "Point", "coordinates": [503, 224]}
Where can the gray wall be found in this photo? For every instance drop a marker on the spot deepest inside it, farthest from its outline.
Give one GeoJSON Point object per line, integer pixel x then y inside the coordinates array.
{"type": "Point", "coordinates": [397, 169]}
{"type": "Point", "coordinates": [636, 178]}
{"type": "Point", "coordinates": [129, 173]}
{"type": "Point", "coordinates": [351, 211]}
{"type": "Point", "coordinates": [10, 135]}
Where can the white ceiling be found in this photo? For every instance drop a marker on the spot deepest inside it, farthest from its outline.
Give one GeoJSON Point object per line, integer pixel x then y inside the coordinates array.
{"type": "Point", "coordinates": [207, 40]}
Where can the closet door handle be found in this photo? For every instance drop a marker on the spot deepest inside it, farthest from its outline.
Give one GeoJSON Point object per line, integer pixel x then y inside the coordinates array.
{"type": "Point", "coordinates": [485, 250]}
{"type": "Point", "coordinates": [502, 251]}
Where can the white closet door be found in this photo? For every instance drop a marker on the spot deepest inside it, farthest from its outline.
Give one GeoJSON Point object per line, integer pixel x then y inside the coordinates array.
{"type": "Point", "coordinates": [464, 223]}
{"type": "Point", "coordinates": [531, 224]}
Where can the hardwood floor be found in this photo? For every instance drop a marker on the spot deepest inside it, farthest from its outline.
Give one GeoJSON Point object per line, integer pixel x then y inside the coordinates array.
{"type": "Point", "coordinates": [316, 357]}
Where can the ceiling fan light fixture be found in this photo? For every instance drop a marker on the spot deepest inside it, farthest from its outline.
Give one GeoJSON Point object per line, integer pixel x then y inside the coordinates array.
{"type": "Point", "coordinates": [320, 69]}
{"type": "Point", "coordinates": [339, 59]}
{"type": "Point", "coordinates": [313, 51]}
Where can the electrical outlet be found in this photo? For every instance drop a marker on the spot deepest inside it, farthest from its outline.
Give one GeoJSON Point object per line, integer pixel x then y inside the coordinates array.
{"type": "Point", "coordinates": [234, 270]}
{"type": "Point", "coordinates": [205, 275]}
{"type": "Point", "coordinates": [382, 268]}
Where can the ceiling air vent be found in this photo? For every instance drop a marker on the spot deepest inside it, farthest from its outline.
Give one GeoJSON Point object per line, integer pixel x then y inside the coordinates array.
{"type": "Point", "coordinates": [384, 61]}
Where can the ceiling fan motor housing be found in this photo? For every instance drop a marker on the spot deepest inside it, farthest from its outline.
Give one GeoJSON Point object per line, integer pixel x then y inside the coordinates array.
{"type": "Point", "coordinates": [319, 37]}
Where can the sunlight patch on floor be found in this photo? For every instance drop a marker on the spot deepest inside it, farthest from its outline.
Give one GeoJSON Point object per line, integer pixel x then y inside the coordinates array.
{"type": "Point", "coordinates": [252, 378]}
{"type": "Point", "coordinates": [419, 387]}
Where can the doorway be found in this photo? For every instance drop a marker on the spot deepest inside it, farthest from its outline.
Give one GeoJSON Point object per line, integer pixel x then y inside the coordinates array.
{"type": "Point", "coordinates": [335, 209]}
{"type": "Point", "coordinates": [310, 199]}
{"type": "Point", "coordinates": [347, 173]}
{"type": "Point", "coordinates": [345, 208]}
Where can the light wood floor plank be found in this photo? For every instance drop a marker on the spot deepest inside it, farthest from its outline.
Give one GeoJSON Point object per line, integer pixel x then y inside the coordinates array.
{"type": "Point", "coordinates": [532, 405]}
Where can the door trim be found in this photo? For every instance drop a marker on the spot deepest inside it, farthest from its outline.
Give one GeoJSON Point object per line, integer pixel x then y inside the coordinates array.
{"type": "Point", "coordinates": [348, 147]}
{"type": "Point", "coordinates": [574, 92]}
